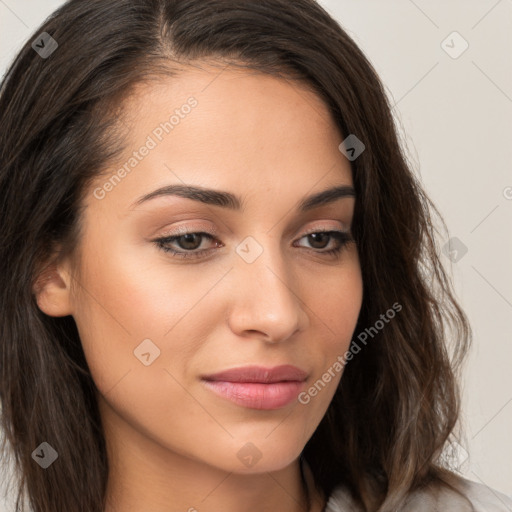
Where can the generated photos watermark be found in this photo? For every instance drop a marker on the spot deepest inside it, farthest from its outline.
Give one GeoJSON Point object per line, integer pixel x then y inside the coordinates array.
{"type": "Point", "coordinates": [152, 141]}
{"type": "Point", "coordinates": [305, 396]}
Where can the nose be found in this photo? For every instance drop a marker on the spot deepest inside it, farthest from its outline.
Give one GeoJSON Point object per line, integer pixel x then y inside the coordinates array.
{"type": "Point", "coordinates": [265, 301]}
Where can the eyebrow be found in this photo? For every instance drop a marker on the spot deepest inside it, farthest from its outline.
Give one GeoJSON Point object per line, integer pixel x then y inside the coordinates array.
{"type": "Point", "coordinates": [231, 201]}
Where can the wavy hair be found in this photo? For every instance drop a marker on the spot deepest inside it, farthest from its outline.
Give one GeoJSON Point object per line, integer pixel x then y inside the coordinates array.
{"type": "Point", "coordinates": [398, 402]}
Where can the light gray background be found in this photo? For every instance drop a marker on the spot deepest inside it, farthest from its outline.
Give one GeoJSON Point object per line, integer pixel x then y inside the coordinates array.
{"type": "Point", "coordinates": [455, 116]}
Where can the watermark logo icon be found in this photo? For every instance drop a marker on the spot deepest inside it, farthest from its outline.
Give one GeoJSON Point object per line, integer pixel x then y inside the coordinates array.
{"type": "Point", "coordinates": [45, 455]}
{"type": "Point", "coordinates": [455, 249]}
{"type": "Point", "coordinates": [455, 456]}
{"type": "Point", "coordinates": [146, 352]}
{"type": "Point", "coordinates": [454, 45]}
{"type": "Point", "coordinates": [249, 455]}
{"type": "Point", "coordinates": [352, 147]}
{"type": "Point", "coordinates": [249, 249]}
{"type": "Point", "coordinates": [44, 45]}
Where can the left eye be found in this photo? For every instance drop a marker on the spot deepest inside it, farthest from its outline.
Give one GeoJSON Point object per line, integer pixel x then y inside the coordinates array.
{"type": "Point", "coordinates": [190, 242]}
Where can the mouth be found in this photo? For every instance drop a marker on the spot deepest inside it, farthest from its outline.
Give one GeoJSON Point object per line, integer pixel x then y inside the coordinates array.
{"type": "Point", "coordinates": [257, 387]}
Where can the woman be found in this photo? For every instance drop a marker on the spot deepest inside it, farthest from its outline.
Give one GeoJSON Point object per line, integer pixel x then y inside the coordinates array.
{"type": "Point", "coordinates": [215, 261]}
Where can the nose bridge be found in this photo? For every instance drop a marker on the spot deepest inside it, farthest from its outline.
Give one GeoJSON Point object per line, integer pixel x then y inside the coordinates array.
{"type": "Point", "coordinates": [265, 299]}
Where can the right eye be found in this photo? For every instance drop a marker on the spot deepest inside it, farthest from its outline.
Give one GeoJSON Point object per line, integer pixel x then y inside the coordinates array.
{"type": "Point", "coordinates": [188, 243]}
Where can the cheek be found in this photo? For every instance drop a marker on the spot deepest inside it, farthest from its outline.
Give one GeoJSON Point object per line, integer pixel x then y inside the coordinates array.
{"type": "Point", "coordinates": [131, 315]}
{"type": "Point", "coordinates": [335, 308]}
{"type": "Point", "coordinates": [126, 301]}
{"type": "Point", "coordinates": [134, 288]}
{"type": "Point", "coordinates": [338, 303]}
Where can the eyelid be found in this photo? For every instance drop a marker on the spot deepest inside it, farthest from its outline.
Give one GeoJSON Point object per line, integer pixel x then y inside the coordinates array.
{"type": "Point", "coordinates": [187, 229]}
{"type": "Point", "coordinates": [316, 229]}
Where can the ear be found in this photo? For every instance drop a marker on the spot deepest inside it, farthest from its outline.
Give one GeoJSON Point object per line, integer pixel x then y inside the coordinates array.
{"type": "Point", "coordinates": [52, 290]}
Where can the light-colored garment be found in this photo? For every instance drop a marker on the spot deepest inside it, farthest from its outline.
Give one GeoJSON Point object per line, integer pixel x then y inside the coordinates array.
{"type": "Point", "coordinates": [481, 497]}
{"type": "Point", "coordinates": [476, 497]}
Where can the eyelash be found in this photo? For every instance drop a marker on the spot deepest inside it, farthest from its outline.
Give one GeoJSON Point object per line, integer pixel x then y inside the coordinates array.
{"type": "Point", "coordinates": [342, 237]}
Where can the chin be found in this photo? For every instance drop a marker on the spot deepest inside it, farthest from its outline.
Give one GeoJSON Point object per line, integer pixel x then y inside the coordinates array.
{"type": "Point", "coordinates": [261, 454]}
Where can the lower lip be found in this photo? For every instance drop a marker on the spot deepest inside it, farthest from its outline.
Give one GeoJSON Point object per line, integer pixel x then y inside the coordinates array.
{"type": "Point", "coordinates": [256, 395]}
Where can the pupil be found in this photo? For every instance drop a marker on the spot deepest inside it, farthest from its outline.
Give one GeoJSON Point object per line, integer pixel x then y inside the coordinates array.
{"type": "Point", "coordinates": [316, 236]}
{"type": "Point", "coordinates": [189, 239]}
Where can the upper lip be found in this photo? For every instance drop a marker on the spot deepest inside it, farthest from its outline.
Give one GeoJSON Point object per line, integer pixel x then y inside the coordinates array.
{"type": "Point", "coordinates": [259, 374]}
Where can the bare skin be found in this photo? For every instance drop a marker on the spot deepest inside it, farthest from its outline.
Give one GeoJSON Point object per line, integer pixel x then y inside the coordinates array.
{"type": "Point", "coordinates": [173, 444]}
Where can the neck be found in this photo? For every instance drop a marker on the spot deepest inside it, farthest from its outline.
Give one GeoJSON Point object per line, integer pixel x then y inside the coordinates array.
{"type": "Point", "coordinates": [315, 498]}
{"type": "Point", "coordinates": [196, 488]}
{"type": "Point", "coordinates": [143, 476]}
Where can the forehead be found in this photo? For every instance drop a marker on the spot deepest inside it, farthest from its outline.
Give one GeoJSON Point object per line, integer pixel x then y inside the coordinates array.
{"type": "Point", "coordinates": [229, 128]}
{"type": "Point", "coordinates": [240, 97]}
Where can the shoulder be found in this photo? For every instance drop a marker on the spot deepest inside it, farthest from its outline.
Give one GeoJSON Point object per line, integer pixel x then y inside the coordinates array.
{"type": "Point", "coordinates": [340, 500]}
{"type": "Point", "coordinates": [473, 497]}
{"type": "Point", "coordinates": [484, 498]}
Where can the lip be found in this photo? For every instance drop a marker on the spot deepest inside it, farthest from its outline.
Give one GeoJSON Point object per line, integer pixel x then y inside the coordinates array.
{"type": "Point", "coordinates": [259, 374]}
{"type": "Point", "coordinates": [258, 387]}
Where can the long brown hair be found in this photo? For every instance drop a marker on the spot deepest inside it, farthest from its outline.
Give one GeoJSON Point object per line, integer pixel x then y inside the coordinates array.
{"type": "Point", "coordinates": [397, 402]}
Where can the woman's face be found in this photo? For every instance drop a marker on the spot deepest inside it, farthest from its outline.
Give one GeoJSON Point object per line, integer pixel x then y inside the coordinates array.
{"type": "Point", "coordinates": [256, 290]}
